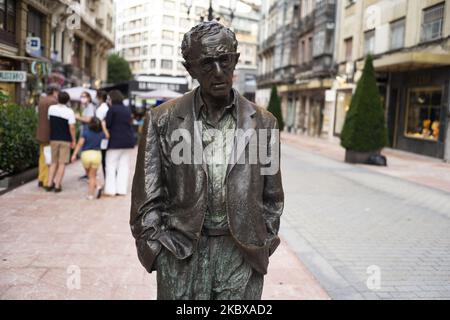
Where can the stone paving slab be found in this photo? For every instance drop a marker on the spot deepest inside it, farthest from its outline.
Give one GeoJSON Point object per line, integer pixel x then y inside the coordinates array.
{"type": "Point", "coordinates": [43, 234]}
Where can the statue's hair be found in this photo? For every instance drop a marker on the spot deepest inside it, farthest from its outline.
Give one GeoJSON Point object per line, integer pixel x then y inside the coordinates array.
{"type": "Point", "coordinates": [206, 28]}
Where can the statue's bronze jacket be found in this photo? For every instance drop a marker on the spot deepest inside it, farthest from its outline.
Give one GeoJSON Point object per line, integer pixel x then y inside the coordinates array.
{"type": "Point", "coordinates": [169, 200]}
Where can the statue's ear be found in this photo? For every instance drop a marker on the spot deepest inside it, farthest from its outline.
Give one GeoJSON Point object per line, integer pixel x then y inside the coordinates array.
{"type": "Point", "coordinates": [189, 69]}
{"type": "Point", "coordinates": [237, 57]}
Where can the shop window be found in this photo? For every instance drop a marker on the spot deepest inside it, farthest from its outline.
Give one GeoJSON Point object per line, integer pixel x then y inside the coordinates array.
{"type": "Point", "coordinates": [424, 114]}
{"type": "Point", "coordinates": [397, 34]}
{"type": "Point", "coordinates": [8, 21]}
{"type": "Point", "coordinates": [432, 22]}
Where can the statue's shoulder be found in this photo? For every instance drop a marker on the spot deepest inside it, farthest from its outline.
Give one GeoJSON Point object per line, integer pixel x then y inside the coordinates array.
{"type": "Point", "coordinates": [268, 120]}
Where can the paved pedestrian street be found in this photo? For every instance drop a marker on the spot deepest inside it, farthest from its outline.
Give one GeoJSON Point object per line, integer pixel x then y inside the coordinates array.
{"type": "Point", "coordinates": [61, 246]}
{"type": "Point", "coordinates": [364, 234]}
{"type": "Point", "coordinates": [349, 232]}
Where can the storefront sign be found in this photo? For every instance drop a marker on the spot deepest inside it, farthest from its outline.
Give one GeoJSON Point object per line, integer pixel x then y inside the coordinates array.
{"type": "Point", "coordinates": [13, 76]}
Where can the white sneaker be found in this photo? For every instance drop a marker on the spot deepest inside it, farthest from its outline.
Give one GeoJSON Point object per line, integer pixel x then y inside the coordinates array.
{"type": "Point", "coordinates": [90, 197]}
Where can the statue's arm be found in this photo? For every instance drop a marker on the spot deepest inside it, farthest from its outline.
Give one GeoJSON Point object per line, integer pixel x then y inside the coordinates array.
{"type": "Point", "coordinates": [147, 196]}
{"type": "Point", "coordinates": [273, 195]}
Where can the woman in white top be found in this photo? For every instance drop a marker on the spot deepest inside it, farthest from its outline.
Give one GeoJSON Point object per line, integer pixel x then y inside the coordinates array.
{"type": "Point", "coordinates": [102, 110]}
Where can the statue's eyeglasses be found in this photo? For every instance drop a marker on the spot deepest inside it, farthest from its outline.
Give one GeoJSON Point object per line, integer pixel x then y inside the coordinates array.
{"type": "Point", "coordinates": [225, 60]}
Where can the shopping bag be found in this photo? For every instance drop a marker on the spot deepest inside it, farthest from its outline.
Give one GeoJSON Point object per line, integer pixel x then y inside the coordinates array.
{"type": "Point", "coordinates": [48, 155]}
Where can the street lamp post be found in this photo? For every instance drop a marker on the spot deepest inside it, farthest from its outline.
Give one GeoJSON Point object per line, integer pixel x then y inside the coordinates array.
{"type": "Point", "coordinates": [232, 8]}
{"type": "Point", "coordinates": [210, 11]}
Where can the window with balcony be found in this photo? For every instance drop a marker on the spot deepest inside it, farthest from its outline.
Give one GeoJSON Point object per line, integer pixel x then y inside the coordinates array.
{"type": "Point", "coordinates": [348, 49]}
{"type": "Point", "coordinates": [184, 23]}
{"type": "Point", "coordinates": [166, 50]}
{"type": "Point", "coordinates": [88, 51]}
{"type": "Point", "coordinates": [167, 35]}
{"type": "Point", "coordinates": [8, 21]}
{"type": "Point", "coordinates": [369, 42]}
{"type": "Point", "coordinates": [168, 20]}
{"type": "Point", "coordinates": [397, 34]}
{"type": "Point", "coordinates": [76, 52]}
{"type": "Point", "coordinates": [310, 49]}
{"type": "Point", "coordinates": [169, 5]}
{"type": "Point", "coordinates": [166, 64]}
{"type": "Point", "coordinates": [153, 49]}
{"type": "Point", "coordinates": [432, 22]}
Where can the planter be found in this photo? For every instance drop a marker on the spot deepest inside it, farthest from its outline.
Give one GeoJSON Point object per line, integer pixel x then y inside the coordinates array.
{"type": "Point", "coordinates": [372, 157]}
{"type": "Point", "coordinates": [10, 182]}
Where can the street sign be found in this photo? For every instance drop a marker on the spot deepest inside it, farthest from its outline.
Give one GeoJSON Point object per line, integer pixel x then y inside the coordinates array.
{"type": "Point", "coordinates": [33, 45]}
{"type": "Point", "coordinates": [13, 76]}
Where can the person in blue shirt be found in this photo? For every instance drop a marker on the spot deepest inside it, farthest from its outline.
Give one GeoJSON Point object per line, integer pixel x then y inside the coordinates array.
{"type": "Point", "coordinates": [91, 155]}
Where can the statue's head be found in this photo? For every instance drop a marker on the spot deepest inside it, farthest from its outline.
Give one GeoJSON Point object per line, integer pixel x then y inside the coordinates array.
{"type": "Point", "coordinates": [210, 53]}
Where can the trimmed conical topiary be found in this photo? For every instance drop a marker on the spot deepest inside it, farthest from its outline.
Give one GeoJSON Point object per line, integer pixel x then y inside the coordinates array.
{"type": "Point", "coordinates": [365, 128]}
{"type": "Point", "coordinates": [275, 107]}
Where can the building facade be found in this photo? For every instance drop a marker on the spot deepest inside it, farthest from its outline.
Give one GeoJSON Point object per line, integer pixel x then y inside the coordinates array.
{"type": "Point", "coordinates": [296, 55]}
{"type": "Point", "coordinates": [410, 42]}
{"type": "Point", "coordinates": [150, 32]}
{"type": "Point", "coordinates": [43, 42]}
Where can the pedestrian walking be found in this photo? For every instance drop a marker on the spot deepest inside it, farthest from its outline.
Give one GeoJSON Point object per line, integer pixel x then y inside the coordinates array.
{"type": "Point", "coordinates": [87, 113]}
{"type": "Point", "coordinates": [100, 113]}
{"type": "Point", "coordinates": [121, 141]}
{"type": "Point", "coordinates": [62, 139]}
{"type": "Point", "coordinates": [43, 131]}
{"type": "Point", "coordinates": [91, 156]}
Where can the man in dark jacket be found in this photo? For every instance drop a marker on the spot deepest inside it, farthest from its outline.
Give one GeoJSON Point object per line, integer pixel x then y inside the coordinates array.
{"type": "Point", "coordinates": [203, 216]}
{"type": "Point", "coordinates": [43, 130]}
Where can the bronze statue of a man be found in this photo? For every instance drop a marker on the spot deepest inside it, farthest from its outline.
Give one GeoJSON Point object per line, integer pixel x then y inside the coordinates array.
{"type": "Point", "coordinates": [204, 216]}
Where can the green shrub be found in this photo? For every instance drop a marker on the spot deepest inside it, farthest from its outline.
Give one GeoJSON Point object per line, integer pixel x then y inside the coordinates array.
{"type": "Point", "coordinates": [365, 128]}
{"type": "Point", "coordinates": [18, 148]}
{"type": "Point", "coordinates": [275, 107]}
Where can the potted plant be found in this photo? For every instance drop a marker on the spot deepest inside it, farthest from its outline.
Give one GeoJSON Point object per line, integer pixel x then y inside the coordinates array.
{"type": "Point", "coordinates": [364, 133]}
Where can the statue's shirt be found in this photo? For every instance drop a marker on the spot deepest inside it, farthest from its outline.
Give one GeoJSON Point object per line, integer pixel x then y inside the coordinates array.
{"type": "Point", "coordinates": [218, 140]}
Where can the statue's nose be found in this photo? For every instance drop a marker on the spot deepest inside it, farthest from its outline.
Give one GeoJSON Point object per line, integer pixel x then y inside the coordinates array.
{"type": "Point", "coordinates": [217, 68]}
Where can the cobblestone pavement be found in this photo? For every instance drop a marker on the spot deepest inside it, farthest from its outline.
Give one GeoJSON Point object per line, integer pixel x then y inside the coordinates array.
{"type": "Point", "coordinates": [342, 219]}
{"type": "Point", "coordinates": [47, 238]}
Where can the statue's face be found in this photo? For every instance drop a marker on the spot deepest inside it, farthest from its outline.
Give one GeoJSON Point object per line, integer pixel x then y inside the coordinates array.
{"type": "Point", "coordinates": [215, 64]}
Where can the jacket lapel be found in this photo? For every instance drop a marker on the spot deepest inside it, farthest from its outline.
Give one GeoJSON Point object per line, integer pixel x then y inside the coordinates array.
{"type": "Point", "coordinates": [245, 121]}
{"type": "Point", "coordinates": [184, 111]}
